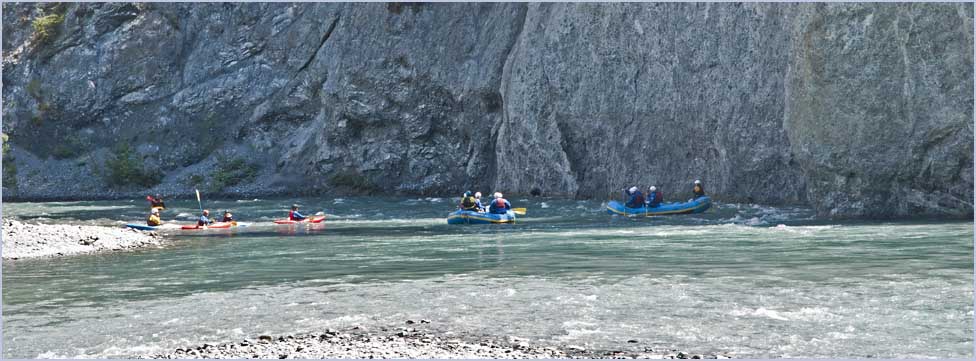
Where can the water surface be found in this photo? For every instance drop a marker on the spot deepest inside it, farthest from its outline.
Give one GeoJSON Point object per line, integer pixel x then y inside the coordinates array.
{"type": "Point", "coordinates": [745, 280]}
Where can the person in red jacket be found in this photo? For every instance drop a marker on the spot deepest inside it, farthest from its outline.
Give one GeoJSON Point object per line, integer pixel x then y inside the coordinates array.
{"type": "Point", "coordinates": [294, 215]}
{"type": "Point", "coordinates": [654, 197]}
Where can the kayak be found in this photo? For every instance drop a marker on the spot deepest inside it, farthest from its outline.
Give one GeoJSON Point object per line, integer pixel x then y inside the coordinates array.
{"type": "Point", "coordinates": [693, 206]}
{"type": "Point", "coordinates": [471, 217]}
{"type": "Point", "coordinates": [315, 219]}
{"type": "Point", "coordinates": [141, 227]}
{"type": "Point", "coordinates": [217, 225]}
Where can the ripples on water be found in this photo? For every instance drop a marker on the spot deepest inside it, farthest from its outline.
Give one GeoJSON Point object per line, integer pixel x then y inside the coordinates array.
{"type": "Point", "coordinates": [748, 280]}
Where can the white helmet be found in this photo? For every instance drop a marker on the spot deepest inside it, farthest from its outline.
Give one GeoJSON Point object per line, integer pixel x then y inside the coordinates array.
{"type": "Point", "coordinates": [477, 194]}
{"type": "Point", "coordinates": [498, 194]}
{"type": "Point", "coordinates": [633, 189]}
{"type": "Point", "coordinates": [653, 188]}
{"type": "Point", "coordinates": [697, 181]}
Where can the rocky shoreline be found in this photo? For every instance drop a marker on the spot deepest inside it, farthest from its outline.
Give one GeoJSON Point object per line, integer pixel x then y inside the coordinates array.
{"type": "Point", "coordinates": [26, 240]}
{"type": "Point", "coordinates": [409, 342]}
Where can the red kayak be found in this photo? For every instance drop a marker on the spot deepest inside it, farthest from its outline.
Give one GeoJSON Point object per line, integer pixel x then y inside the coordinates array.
{"type": "Point", "coordinates": [315, 219]}
{"type": "Point", "coordinates": [214, 225]}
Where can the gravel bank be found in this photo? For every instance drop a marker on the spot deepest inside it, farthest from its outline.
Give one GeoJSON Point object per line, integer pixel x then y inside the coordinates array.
{"type": "Point", "coordinates": [25, 240]}
{"type": "Point", "coordinates": [406, 342]}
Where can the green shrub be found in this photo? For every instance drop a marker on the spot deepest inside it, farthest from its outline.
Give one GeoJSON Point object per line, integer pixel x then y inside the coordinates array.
{"type": "Point", "coordinates": [63, 151]}
{"type": "Point", "coordinates": [68, 147]}
{"type": "Point", "coordinates": [231, 172]}
{"type": "Point", "coordinates": [353, 180]}
{"type": "Point", "coordinates": [34, 89]}
{"type": "Point", "coordinates": [46, 27]}
{"type": "Point", "coordinates": [9, 168]}
{"type": "Point", "coordinates": [196, 180]}
{"type": "Point", "coordinates": [124, 168]}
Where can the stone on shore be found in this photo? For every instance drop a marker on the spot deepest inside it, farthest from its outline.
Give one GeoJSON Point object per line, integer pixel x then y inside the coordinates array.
{"type": "Point", "coordinates": [25, 240]}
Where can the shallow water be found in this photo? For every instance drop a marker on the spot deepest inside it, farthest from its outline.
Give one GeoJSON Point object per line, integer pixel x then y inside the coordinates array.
{"type": "Point", "coordinates": [746, 280]}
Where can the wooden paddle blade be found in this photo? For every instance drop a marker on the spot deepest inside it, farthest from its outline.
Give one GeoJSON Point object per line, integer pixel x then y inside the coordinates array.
{"type": "Point", "coordinates": [519, 211]}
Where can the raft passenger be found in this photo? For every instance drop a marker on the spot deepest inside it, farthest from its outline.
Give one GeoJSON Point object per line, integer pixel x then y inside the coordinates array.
{"type": "Point", "coordinates": [499, 205]}
{"type": "Point", "coordinates": [654, 197]}
{"type": "Point", "coordinates": [294, 215]}
{"type": "Point", "coordinates": [153, 219]}
{"type": "Point", "coordinates": [468, 203]}
{"type": "Point", "coordinates": [227, 217]}
{"type": "Point", "coordinates": [635, 199]}
{"type": "Point", "coordinates": [477, 200]}
{"type": "Point", "coordinates": [699, 189]}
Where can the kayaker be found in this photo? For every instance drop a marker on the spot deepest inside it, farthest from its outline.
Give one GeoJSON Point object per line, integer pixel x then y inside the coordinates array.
{"type": "Point", "coordinates": [699, 189]}
{"type": "Point", "coordinates": [499, 205]}
{"type": "Point", "coordinates": [468, 202]}
{"type": "Point", "coordinates": [654, 197]}
{"type": "Point", "coordinates": [156, 202]}
{"type": "Point", "coordinates": [477, 199]}
{"type": "Point", "coordinates": [635, 199]}
{"type": "Point", "coordinates": [294, 215]}
{"type": "Point", "coordinates": [227, 217]}
{"type": "Point", "coordinates": [204, 219]}
{"type": "Point", "coordinates": [153, 219]}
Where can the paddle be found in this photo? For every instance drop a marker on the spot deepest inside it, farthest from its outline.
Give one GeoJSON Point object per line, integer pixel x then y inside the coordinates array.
{"type": "Point", "coordinates": [199, 203]}
{"type": "Point", "coordinates": [519, 211]}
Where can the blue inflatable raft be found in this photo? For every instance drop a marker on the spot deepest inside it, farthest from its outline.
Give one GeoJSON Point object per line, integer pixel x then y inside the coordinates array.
{"type": "Point", "coordinates": [141, 227]}
{"type": "Point", "coordinates": [693, 206]}
{"type": "Point", "coordinates": [469, 217]}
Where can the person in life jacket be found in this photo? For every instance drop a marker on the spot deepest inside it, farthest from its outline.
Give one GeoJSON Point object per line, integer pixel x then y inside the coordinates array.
{"type": "Point", "coordinates": [499, 205]}
{"type": "Point", "coordinates": [153, 219]}
{"type": "Point", "coordinates": [699, 189]}
{"type": "Point", "coordinates": [204, 218]}
{"type": "Point", "coordinates": [468, 203]}
{"type": "Point", "coordinates": [654, 197]}
{"type": "Point", "coordinates": [477, 199]}
{"type": "Point", "coordinates": [156, 202]}
{"type": "Point", "coordinates": [227, 217]}
{"type": "Point", "coordinates": [294, 215]}
{"type": "Point", "coordinates": [635, 199]}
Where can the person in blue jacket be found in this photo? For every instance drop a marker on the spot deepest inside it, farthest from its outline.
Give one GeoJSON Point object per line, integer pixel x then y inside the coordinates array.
{"type": "Point", "coordinates": [204, 219]}
{"type": "Point", "coordinates": [635, 199]}
{"type": "Point", "coordinates": [499, 205]}
{"type": "Point", "coordinates": [294, 215]}
{"type": "Point", "coordinates": [654, 197]}
{"type": "Point", "coordinates": [477, 200]}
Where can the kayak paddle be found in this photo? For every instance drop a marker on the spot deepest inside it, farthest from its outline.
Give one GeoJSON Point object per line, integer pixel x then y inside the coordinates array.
{"type": "Point", "coordinates": [519, 211]}
{"type": "Point", "coordinates": [199, 203]}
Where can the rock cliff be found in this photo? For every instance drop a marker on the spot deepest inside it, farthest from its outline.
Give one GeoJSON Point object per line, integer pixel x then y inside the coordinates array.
{"type": "Point", "coordinates": [859, 110]}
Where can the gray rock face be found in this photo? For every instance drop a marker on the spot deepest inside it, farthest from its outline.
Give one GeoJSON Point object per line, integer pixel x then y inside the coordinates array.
{"type": "Point", "coordinates": [881, 116]}
{"type": "Point", "coordinates": [856, 109]}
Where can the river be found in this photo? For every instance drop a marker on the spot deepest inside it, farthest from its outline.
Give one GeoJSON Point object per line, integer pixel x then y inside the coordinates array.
{"type": "Point", "coordinates": [746, 280]}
